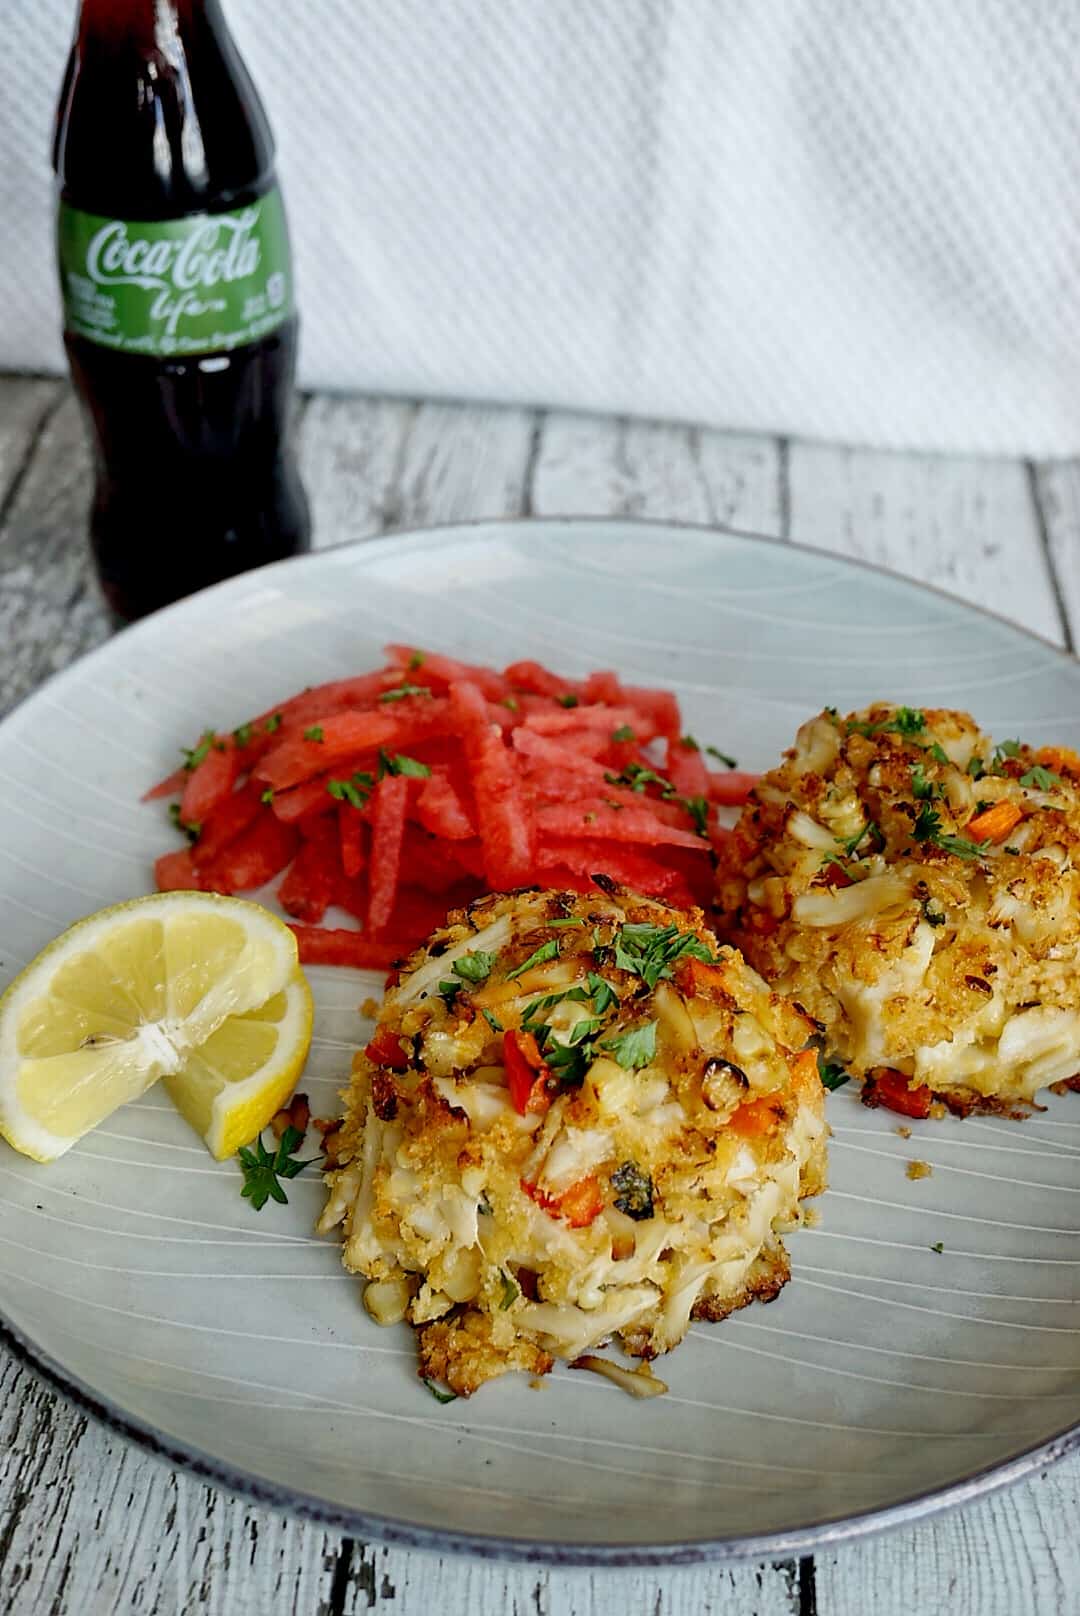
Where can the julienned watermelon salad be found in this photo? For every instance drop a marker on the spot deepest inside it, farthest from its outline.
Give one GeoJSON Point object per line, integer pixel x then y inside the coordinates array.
{"type": "Point", "coordinates": [397, 795]}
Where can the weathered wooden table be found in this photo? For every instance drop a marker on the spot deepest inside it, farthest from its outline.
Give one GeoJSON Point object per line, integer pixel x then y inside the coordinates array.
{"type": "Point", "coordinates": [87, 1523]}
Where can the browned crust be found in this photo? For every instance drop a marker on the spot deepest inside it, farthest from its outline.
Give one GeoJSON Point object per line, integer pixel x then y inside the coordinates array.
{"type": "Point", "coordinates": [459, 1351]}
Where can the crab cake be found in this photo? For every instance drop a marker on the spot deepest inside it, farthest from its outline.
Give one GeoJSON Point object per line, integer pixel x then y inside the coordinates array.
{"type": "Point", "coordinates": [577, 1120]}
{"type": "Point", "coordinates": [915, 888]}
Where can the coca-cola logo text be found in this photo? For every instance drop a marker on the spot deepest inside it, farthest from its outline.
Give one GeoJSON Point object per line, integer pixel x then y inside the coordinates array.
{"type": "Point", "coordinates": [216, 249]}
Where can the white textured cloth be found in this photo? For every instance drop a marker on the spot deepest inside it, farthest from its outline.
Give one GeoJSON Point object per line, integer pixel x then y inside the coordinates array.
{"type": "Point", "coordinates": [850, 219]}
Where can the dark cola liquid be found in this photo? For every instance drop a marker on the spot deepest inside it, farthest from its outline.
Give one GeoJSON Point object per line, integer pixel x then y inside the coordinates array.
{"type": "Point", "coordinates": [165, 164]}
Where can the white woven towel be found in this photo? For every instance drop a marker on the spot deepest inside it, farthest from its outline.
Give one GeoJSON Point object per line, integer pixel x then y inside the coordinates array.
{"type": "Point", "coordinates": [851, 219]}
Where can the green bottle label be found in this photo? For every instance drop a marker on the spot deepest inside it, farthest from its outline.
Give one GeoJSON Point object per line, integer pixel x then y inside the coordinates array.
{"type": "Point", "coordinates": [176, 286]}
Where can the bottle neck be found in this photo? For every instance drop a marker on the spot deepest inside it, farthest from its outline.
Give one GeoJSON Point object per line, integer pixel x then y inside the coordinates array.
{"type": "Point", "coordinates": [146, 23]}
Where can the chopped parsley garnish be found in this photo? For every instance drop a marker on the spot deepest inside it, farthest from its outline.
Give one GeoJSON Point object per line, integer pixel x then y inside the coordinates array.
{"type": "Point", "coordinates": [262, 1169]}
{"type": "Point", "coordinates": [242, 735]}
{"type": "Point", "coordinates": [933, 917]}
{"type": "Point", "coordinates": [1014, 850]}
{"type": "Point", "coordinates": [923, 788]}
{"type": "Point", "coordinates": [492, 1020]}
{"type": "Point", "coordinates": [531, 1013]}
{"type": "Point", "coordinates": [938, 1246]}
{"type": "Point", "coordinates": [976, 767]}
{"type": "Point", "coordinates": [448, 992]}
{"type": "Point", "coordinates": [193, 758]}
{"type": "Point", "coordinates": [927, 828]}
{"type": "Point", "coordinates": [602, 993]}
{"type": "Point", "coordinates": [1006, 749]}
{"type": "Point", "coordinates": [315, 733]}
{"type": "Point", "coordinates": [722, 757]}
{"type": "Point", "coordinates": [1040, 779]}
{"type": "Point", "coordinates": [938, 752]}
{"type": "Point", "coordinates": [511, 703]}
{"type": "Point", "coordinates": [355, 792]}
{"type": "Point", "coordinates": [511, 1290]}
{"type": "Point", "coordinates": [267, 797]}
{"type": "Point", "coordinates": [569, 1062]}
{"type": "Point", "coordinates": [439, 1395]}
{"type": "Point", "coordinates": [540, 956]}
{"type": "Point", "coordinates": [568, 700]}
{"type": "Point", "coordinates": [637, 777]}
{"type": "Point", "coordinates": [623, 733]}
{"type": "Point", "coordinates": [566, 920]}
{"type": "Point", "coordinates": [831, 1073]}
{"type": "Point", "coordinates": [415, 661]}
{"type": "Point", "coordinates": [905, 721]}
{"type": "Point", "coordinates": [651, 952]}
{"type": "Point", "coordinates": [274, 723]}
{"type": "Point", "coordinates": [635, 1048]}
{"type": "Point", "coordinates": [851, 845]}
{"type": "Point", "coordinates": [402, 765]}
{"type": "Point", "coordinates": [698, 809]}
{"type": "Point", "coordinates": [401, 691]}
{"type": "Point", "coordinates": [474, 967]}
{"type": "Point", "coordinates": [635, 1191]}
{"type": "Point", "coordinates": [689, 744]}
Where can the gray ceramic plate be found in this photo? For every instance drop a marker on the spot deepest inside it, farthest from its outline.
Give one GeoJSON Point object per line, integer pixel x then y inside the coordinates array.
{"type": "Point", "coordinates": [887, 1379]}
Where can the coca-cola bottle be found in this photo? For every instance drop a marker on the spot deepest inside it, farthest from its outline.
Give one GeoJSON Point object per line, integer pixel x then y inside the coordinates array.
{"type": "Point", "coordinates": [179, 320]}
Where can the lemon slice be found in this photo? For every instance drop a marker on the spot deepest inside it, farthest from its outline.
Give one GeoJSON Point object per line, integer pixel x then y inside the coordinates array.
{"type": "Point", "coordinates": [154, 988]}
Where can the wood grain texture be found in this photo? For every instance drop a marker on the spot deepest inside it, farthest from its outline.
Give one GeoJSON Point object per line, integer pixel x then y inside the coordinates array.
{"type": "Point", "coordinates": [968, 526]}
{"type": "Point", "coordinates": [90, 1524]}
{"type": "Point", "coordinates": [590, 466]}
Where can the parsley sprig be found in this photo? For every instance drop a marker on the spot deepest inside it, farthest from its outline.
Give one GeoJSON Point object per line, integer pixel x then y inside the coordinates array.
{"type": "Point", "coordinates": [652, 952]}
{"type": "Point", "coordinates": [263, 1169]}
{"type": "Point", "coordinates": [905, 721]}
{"type": "Point", "coordinates": [927, 828]}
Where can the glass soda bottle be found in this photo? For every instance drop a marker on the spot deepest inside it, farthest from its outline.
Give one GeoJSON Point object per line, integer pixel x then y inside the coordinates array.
{"type": "Point", "coordinates": [179, 319]}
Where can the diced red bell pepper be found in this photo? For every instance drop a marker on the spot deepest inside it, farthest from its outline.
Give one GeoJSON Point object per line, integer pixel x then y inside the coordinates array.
{"type": "Point", "coordinates": [582, 1202]}
{"type": "Point", "coordinates": [526, 1072]}
{"type": "Point", "coordinates": [327, 945]}
{"type": "Point", "coordinates": [892, 1089]}
{"type": "Point", "coordinates": [500, 811]}
{"type": "Point", "coordinates": [755, 1119]}
{"type": "Point", "coordinates": [226, 822]}
{"type": "Point", "coordinates": [210, 783]}
{"type": "Point", "coordinates": [252, 858]}
{"type": "Point", "coordinates": [386, 1049]}
{"type": "Point", "coordinates": [176, 872]}
{"type": "Point", "coordinates": [345, 737]}
{"type": "Point", "coordinates": [389, 806]}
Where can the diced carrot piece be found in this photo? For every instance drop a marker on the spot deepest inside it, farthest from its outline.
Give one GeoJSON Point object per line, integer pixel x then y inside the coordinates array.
{"type": "Point", "coordinates": [440, 809]}
{"type": "Point", "coordinates": [1059, 759]}
{"type": "Point", "coordinates": [731, 789]}
{"type": "Point", "coordinates": [168, 787]}
{"type": "Point", "coordinates": [593, 818]}
{"type": "Point", "coordinates": [389, 806]}
{"type": "Point", "coordinates": [210, 783]}
{"type": "Point", "coordinates": [314, 880]}
{"type": "Point", "coordinates": [581, 1203]}
{"type": "Point", "coordinates": [351, 840]}
{"type": "Point", "coordinates": [500, 810]}
{"type": "Point", "coordinates": [226, 822]}
{"type": "Point", "coordinates": [176, 872]}
{"type": "Point", "coordinates": [994, 823]}
{"type": "Point", "coordinates": [253, 858]}
{"type": "Point", "coordinates": [701, 980]}
{"type": "Point", "coordinates": [893, 1090]}
{"type": "Point", "coordinates": [446, 671]}
{"type": "Point", "coordinates": [686, 770]}
{"type": "Point", "coordinates": [756, 1118]}
{"type": "Point", "coordinates": [331, 741]}
{"type": "Point", "coordinates": [327, 945]}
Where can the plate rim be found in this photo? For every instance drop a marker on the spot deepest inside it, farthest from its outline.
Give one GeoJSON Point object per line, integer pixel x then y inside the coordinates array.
{"type": "Point", "coordinates": [393, 1529]}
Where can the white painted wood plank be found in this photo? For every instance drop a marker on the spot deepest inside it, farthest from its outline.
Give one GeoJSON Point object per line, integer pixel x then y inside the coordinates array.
{"type": "Point", "coordinates": [50, 610]}
{"type": "Point", "coordinates": [1057, 493]}
{"type": "Point", "coordinates": [593, 466]}
{"type": "Point", "coordinates": [398, 1584]}
{"type": "Point", "coordinates": [350, 454]}
{"type": "Point", "coordinates": [1013, 1554]}
{"type": "Point", "coordinates": [968, 526]}
{"type": "Point", "coordinates": [91, 1526]}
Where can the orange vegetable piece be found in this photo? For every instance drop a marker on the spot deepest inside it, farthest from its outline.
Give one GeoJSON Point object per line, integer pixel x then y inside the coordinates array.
{"type": "Point", "coordinates": [756, 1118]}
{"type": "Point", "coordinates": [526, 1072]}
{"type": "Point", "coordinates": [695, 977]}
{"type": "Point", "coordinates": [386, 1049]}
{"type": "Point", "coordinates": [1060, 759]}
{"type": "Point", "coordinates": [892, 1089]}
{"type": "Point", "coordinates": [581, 1203]}
{"type": "Point", "coordinates": [994, 823]}
{"type": "Point", "coordinates": [805, 1077]}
